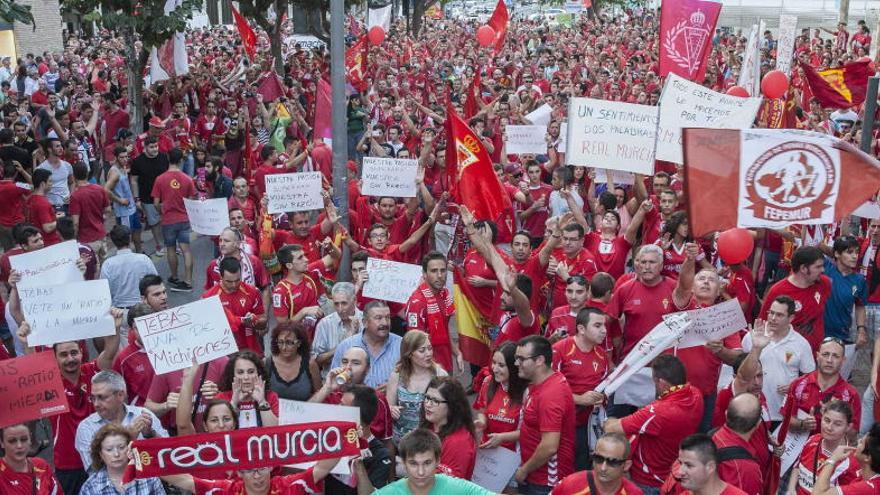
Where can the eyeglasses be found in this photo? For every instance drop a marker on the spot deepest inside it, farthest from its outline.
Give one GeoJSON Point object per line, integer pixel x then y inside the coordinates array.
{"type": "Point", "coordinates": [434, 400]}
{"type": "Point", "coordinates": [287, 343]}
{"type": "Point", "coordinates": [611, 461]}
{"type": "Point", "coordinates": [519, 359]}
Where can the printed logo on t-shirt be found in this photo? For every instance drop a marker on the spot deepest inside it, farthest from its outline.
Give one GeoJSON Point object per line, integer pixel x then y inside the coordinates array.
{"type": "Point", "coordinates": [276, 300]}
{"type": "Point", "coordinates": [174, 184]}
{"type": "Point", "coordinates": [606, 247]}
{"type": "Point", "coordinates": [818, 297]}
{"type": "Point", "coordinates": [798, 306]}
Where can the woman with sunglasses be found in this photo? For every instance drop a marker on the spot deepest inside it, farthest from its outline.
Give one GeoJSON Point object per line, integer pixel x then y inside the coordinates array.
{"type": "Point", "coordinates": [447, 413]}
{"type": "Point", "coordinates": [290, 373]}
{"type": "Point", "coordinates": [20, 474]}
{"type": "Point", "coordinates": [836, 424]}
{"type": "Point", "coordinates": [110, 457]}
{"type": "Point", "coordinates": [500, 400]}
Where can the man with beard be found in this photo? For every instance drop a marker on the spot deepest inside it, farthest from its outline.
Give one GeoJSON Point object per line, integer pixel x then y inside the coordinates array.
{"type": "Point", "coordinates": [376, 338]}
{"type": "Point", "coordinates": [219, 185]}
{"type": "Point", "coordinates": [242, 302]}
{"type": "Point", "coordinates": [611, 463]}
{"type": "Point", "coordinates": [430, 307]}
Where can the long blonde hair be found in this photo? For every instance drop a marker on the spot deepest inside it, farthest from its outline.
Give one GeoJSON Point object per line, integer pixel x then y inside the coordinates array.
{"type": "Point", "coordinates": [412, 341]}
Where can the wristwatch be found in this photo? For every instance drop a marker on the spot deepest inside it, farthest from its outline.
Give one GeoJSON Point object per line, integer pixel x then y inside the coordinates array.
{"type": "Point", "coordinates": [263, 406]}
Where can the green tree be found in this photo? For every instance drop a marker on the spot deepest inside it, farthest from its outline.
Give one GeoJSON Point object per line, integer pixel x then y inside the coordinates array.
{"type": "Point", "coordinates": [10, 11]}
{"type": "Point", "coordinates": [142, 24]}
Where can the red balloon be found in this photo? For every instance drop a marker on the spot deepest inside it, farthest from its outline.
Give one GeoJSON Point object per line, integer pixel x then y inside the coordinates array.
{"type": "Point", "coordinates": [485, 35]}
{"type": "Point", "coordinates": [735, 245]}
{"type": "Point", "coordinates": [738, 91]}
{"type": "Point", "coordinates": [775, 84]}
{"type": "Point", "coordinates": [376, 35]}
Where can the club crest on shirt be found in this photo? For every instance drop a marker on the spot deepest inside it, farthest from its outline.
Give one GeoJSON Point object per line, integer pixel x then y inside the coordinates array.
{"type": "Point", "coordinates": [665, 303]}
{"type": "Point", "coordinates": [242, 301]}
{"type": "Point", "coordinates": [788, 355]}
{"type": "Point", "coordinates": [798, 306]}
{"type": "Point", "coordinates": [595, 366]}
{"type": "Point", "coordinates": [818, 296]}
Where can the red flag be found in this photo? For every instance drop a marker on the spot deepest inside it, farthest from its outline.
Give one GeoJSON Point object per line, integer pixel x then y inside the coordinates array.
{"type": "Point", "coordinates": [356, 64]}
{"type": "Point", "coordinates": [772, 178]}
{"type": "Point", "coordinates": [248, 36]}
{"type": "Point", "coordinates": [471, 176]}
{"type": "Point", "coordinates": [323, 111]}
{"type": "Point", "coordinates": [471, 102]}
{"type": "Point", "coordinates": [686, 30]}
{"type": "Point", "coordinates": [842, 87]}
{"type": "Point", "coordinates": [778, 113]}
{"type": "Point", "coordinates": [270, 87]}
{"type": "Point", "coordinates": [498, 22]}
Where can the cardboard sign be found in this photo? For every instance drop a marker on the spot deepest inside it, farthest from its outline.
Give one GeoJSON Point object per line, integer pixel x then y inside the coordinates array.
{"type": "Point", "coordinates": [495, 468]}
{"type": "Point", "coordinates": [794, 443]}
{"type": "Point", "coordinates": [292, 412]}
{"type": "Point", "coordinates": [520, 139]}
{"type": "Point", "coordinates": [391, 280]}
{"type": "Point", "coordinates": [73, 311]}
{"type": "Point", "coordinates": [31, 388]}
{"type": "Point", "coordinates": [207, 217]}
{"type": "Point", "coordinates": [687, 104]}
{"type": "Point", "coordinates": [563, 138]}
{"type": "Point", "coordinates": [713, 323]}
{"type": "Point", "coordinates": [617, 176]}
{"type": "Point", "coordinates": [51, 265]}
{"type": "Point", "coordinates": [299, 191]}
{"type": "Point", "coordinates": [541, 115]}
{"type": "Point", "coordinates": [613, 135]}
{"type": "Point", "coordinates": [395, 177]}
{"type": "Point", "coordinates": [785, 43]}
{"type": "Point", "coordinates": [176, 338]}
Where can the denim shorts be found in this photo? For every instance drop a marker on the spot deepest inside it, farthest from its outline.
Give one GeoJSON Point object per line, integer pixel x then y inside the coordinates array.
{"type": "Point", "coordinates": [176, 233]}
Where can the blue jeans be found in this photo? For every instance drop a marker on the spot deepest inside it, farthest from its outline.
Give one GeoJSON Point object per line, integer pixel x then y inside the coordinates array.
{"type": "Point", "coordinates": [530, 489]}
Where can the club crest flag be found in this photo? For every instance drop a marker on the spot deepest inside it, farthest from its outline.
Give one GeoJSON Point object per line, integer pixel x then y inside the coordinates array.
{"type": "Point", "coordinates": [499, 20]}
{"type": "Point", "coordinates": [356, 64]}
{"type": "Point", "coordinates": [772, 178]}
{"type": "Point", "coordinates": [841, 87]}
{"type": "Point", "coordinates": [686, 30]}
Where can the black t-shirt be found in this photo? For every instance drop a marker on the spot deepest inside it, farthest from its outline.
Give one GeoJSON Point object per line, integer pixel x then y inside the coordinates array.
{"type": "Point", "coordinates": [146, 170]}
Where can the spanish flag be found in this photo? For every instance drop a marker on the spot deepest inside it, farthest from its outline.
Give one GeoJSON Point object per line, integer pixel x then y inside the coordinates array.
{"type": "Point", "coordinates": [473, 327]}
{"type": "Point", "coordinates": [842, 87]}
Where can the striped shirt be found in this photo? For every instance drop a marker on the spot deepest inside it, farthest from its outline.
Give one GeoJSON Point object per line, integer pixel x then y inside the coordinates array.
{"type": "Point", "coordinates": [99, 484]}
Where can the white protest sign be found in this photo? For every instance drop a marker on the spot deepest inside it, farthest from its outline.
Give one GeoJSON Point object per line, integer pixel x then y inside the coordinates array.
{"type": "Point", "coordinates": [687, 104]}
{"type": "Point", "coordinates": [391, 280]}
{"type": "Point", "coordinates": [299, 191]}
{"type": "Point", "coordinates": [495, 467]}
{"type": "Point", "coordinates": [750, 71]}
{"type": "Point", "coordinates": [661, 337]}
{"type": "Point", "coordinates": [292, 412]}
{"type": "Point", "coordinates": [541, 115]}
{"type": "Point", "coordinates": [305, 41]}
{"type": "Point", "coordinates": [563, 138]}
{"type": "Point", "coordinates": [395, 177]}
{"type": "Point", "coordinates": [785, 44]}
{"type": "Point", "coordinates": [72, 311]}
{"type": "Point", "coordinates": [794, 443]}
{"type": "Point", "coordinates": [198, 331]}
{"type": "Point", "coordinates": [519, 139]}
{"type": "Point", "coordinates": [617, 176]}
{"type": "Point", "coordinates": [712, 323]}
{"type": "Point", "coordinates": [614, 135]}
{"type": "Point", "coordinates": [207, 217]}
{"type": "Point", "coordinates": [51, 265]}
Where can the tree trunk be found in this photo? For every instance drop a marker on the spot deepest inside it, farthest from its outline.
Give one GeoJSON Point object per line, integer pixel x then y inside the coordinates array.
{"type": "Point", "coordinates": [134, 66]}
{"type": "Point", "coordinates": [843, 15]}
{"type": "Point", "coordinates": [418, 15]}
{"type": "Point", "coordinates": [275, 39]}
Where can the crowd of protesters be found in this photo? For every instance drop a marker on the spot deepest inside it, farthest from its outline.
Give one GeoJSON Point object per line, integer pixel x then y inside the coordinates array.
{"type": "Point", "coordinates": [590, 268]}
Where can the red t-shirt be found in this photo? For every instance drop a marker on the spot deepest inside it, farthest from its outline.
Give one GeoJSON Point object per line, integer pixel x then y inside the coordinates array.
{"type": "Point", "coordinates": [582, 264]}
{"type": "Point", "coordinates": [247, 299]}
{"type": "Point", "coordinates": [561, 320]}
{"type": "Point", "coordinates": [260, 176]}
{"type": "Point", "coordinates": [113, 122]}
{"type": "Point", "coordinates": [483, 297]}
{"type": "Point", "coordinates": [810, 461]}
{"type": "Point", "coordinates": [741, 285]}
{"type": "Point", "coordinates": [133, 363]}
{"type": "Point", "coordinates": [583, 370]}
{"type": "Point", "coordinates": [170, 188]}
{"type": "Point", "coordinates": [610, 254]}
{"type": "Point", "coordinates": [760, 439]}
{"type": "Point", "coordinates": [536, 223]}
{"type": "Point", "coordinates": [809, 307]}
{"type": "Point", "coordinates": [311, 249]}
{"type": "Point", "coordinates": [703, 367]}
{"type": "Point", "coordinates": [745, 474]}
{"type": "Point", "coordinates": [12, 199]}
{"type": "Point", "coordinates": [864, 487]}
{"type": "Point", "coordinates": [64, 425]}
{"type": "Point", "coordinates": [643, 308]}
{"type": "Point", "coordinates": [288, 298]}
{"type": "Point", "coordinates": [577, 484]}
{"type": "Point", "coordinates": [502, 414]}
{"type": "Point", "coordinates": [804, 395]}
{"type": "Point", "coordinates": [164, 384]}
{"type": "Point", "coordinates": [658, 429]}
{"type": "Point", "coordinates": [39, 475]}
{"type": "Point", "coordinates": [256, 276]}
{"type": "Point", "coordinates": [294, 484]}
{"type": "Point", "coordinates": [381, 427]}
{"type": "Point", "coordinates": [673, 258]}
{"type": "Point", "coordinates": [549, 407]}
{"type": "Point", "coordinates": [512, 330]}
{"type": "Point", "coordinates": [89, 202]}
{"type": "Point", "coordinates": [458, 454]}
{"type": "Point", "coordinates": [39, 212]}
{"type": "Point", "coordinates": [537, 273]}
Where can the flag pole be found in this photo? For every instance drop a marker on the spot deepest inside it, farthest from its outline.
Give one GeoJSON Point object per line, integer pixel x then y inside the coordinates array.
{"type": "Point", "coordinates": [870, 114]}
{"type": "Point", "coordinates": [340, 137]}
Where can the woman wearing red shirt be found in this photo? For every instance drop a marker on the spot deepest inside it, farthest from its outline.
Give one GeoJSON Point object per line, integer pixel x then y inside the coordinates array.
{"type": "Point", "coordinates": [673, 239]}
{"type": "Point", "coordinates": [20, 474]}
{"type": "Point", "coordinates": [244, 386]}
{"type": "Point", "coordinates": [836, 423]}
{"type": "Point", "coordinates": [447, 413]}
{"type": "Point", "coordinates": [500, 400]}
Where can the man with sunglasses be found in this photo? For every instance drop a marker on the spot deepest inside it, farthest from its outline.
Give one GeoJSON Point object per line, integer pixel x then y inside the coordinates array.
{"type": "Point", "coordinates": [610, 465]}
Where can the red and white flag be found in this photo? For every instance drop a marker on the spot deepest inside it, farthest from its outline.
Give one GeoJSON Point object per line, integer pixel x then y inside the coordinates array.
{"type": "Point", "coordinates": [170, 59]}
{"type": "Point", "coordinates": [686, 30]}
{"type": "Point", "coordinates": [248, 36]}
{"type": "Point", "coordinates": [772, 178]}
{"type": "Point", "coordinates": [499, 20]}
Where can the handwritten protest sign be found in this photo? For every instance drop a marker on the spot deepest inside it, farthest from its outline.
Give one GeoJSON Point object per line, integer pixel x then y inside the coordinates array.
{"type": "Point", "coordinates": [613, 135]}
{"type": "Point", "coordinates": [794, 443]}
{"type": "Point", "coordinates": [207, 217]}
{"type": "Point", "coordinates": [393, 177]}
{"type": "Point", "coordinates": [617, 176]}
{"type": "Point", "coordinates": [521, 139]}
{"type": "Point", "coordinates": [73, 311]}
{"type": "Point", "coordinates": [712, 323]}
{"type": "Point", "coordinates": [495, 467]}
{"type": "Point", "coordinates": [391, 281]}
{"type": "Point", "coordinates": [541, 115]}
{"type": "Point", "coordinates": [687, 104]}
{"type": "Point", "coordinates": [785, 44]}
{"type": "Point", "coordinates": [300, 191]}
{"type": "Point", "coordinates": [292, 412]}
{"type": "Point", "coordinates": [31, 388]}
{"type": "Point", "coordinates": [195, 332]}
{"type": "Point", "coordinates": [51, 265]}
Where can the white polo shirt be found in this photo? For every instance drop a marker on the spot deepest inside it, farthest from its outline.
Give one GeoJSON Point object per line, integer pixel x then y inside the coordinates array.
{"type": "Point", "coordinates": [783, 361]}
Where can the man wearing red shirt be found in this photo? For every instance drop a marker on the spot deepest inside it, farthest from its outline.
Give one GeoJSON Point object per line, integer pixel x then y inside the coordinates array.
{"type": "Point", "coordinates": [534, 217]}
{"type": "Point", "coordinates": [698, 468]}
{"type": "Point", "coordinates": [39, 211]}
{"type": "Point", "coordinates": [665, 204]}
{"type": "Point", "coordinates": [572, 259]}
{"type": "Point", "coordinates": [12, 200]}
{"type": "Point", "coordinates": [243, 304]}
{"type": "Point", "coordinates": [132, 362]}
{"type": "Point", "coordinates": [156, 130]}
{"type": "Point", "coordinates": [534, 263]}
{"type": "Point", "coordinates": [610, 465]}
{"type": "Point", "coordinates": [114, 118]}
{"type": "Point", "coordinates": [295, 297]}
{"type": "Point", "coordinates": [322, 156]}
{"type": "Point", "coordinates": [259, 480]}
{"type": "Point", "coordinates": [305, 235]}
{"type": "Point", "coordinates": [662, 424]}
{"type": "Point", "coordinates": [547, 428]}
{"type": "Point", "coordinates": [88, 202]}
{"type": "Point", "coordinates": [231, 245]}
{"type": "Point", "coordinates": [209, 127]}
{"type": "Point", "coordinates": [430, 307]}
{"type": "Point", "coordinates": [562, 320]}
{"type": "Point", "coordinates": [168, 193]}
{"type": "Point", "coordinates": [583, 362]}
{"type": "Point", "coordinates": [610, 248]}
{"type": "Point", "coordinates": [268, 166]}
{"type": "Point", "coordinates": [744, 470]}
{"type": "Point", "coordinates": [809, 288]}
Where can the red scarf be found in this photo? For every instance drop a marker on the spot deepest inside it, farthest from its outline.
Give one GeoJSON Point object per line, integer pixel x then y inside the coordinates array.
{"type": "Point", "coordinates": [438, 313]}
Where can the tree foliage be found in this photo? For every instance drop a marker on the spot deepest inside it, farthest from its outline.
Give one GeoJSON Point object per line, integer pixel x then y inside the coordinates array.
{"type": "Point", "coordinates": [10, 11]}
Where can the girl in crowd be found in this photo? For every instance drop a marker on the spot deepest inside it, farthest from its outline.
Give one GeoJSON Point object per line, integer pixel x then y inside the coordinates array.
{"type": "Point", "coordinates": [409, 380]}
{"type": "Point", "coordinates": [110, 451]}
{"type": "Point", "coordinates": [289, 364]}
{"type": "Point", "coordinates": [836, 423]}
{"type": "Point", "coordinates": [447, 413]}
{"type": "Point", "coordinates": [500, 400]}
{"type": "Point", "coordinates": [244, 386]}
{"type": "Point", "coordinates": [19, 474]}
